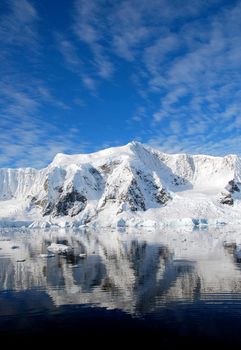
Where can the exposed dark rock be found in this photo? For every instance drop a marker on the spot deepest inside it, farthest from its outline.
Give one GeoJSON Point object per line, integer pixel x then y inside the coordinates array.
{"type": "Point", "coordinates": [42, 203]}
{"type": "Point", "coordinates": [177, 180]}
{"type": "Point", "coordinates": [98, 183]}
{"type": "Point", "coordinates": [87, 219]}
{"type": "Point", "coordinates": [70, 203]}
{"type": "Point", "coordinates": [110, 197]}
{"type": "Point", "coordinates": [94, 171]}
{"type": "Point", "coordinates": [59, 189]}
{"type": "Point", "coordinates": [107, 168]}
{"type": "Point", "coordinates": [227, 199]}
{"type": "Point", "coordinates": [46, 185]}
{"type": "Point", "coordinates": [162, 196]}
{"type": "Point", "coordinates": [233, 186]}
{"type": "Point", "coordinates": [48, 209]}
{"type": "Point", "coordinates": [150, 183]}
{"type": "Point", "coordinates": [134, 197]}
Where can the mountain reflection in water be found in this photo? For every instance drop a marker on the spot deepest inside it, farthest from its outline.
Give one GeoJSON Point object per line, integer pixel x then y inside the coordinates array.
{"type": "Point", "coordinates": [146, 275]}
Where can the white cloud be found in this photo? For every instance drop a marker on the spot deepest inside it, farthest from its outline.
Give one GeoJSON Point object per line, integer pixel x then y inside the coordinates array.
{"type": "Point", "coordinates": [197, 77]}
{"type": "Point", "coordinates": [128, 29]}
{"type": "Point", "coordinates": [73, 62]}
{"type": "Point", "coordinates": [18, 25]}
{"type": "Point", "coordinates": [68, 51]}
{"type": "Point", "coordinates": [184, 58]}
{"type": "Point", "coordinates": [28, 138]}
{"type": "Point", "coordinates": [88, 28]}
{"type": "Point", "coordinates": [89, 83]}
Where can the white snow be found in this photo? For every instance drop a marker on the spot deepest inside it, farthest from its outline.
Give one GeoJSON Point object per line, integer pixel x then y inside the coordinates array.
{"type": "Point", "coordinates": [46, 255]}
{"type": "Point", "coordinates": [122, 187]}
{"type": "Point", "coordinates": [59, 248]}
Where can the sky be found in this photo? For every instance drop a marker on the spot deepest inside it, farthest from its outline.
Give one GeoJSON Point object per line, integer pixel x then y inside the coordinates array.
{"type": "Point", "coordinates": [78, 76]}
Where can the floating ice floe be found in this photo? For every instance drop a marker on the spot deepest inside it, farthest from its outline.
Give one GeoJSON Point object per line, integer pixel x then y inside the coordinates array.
{"type": "Point", "coordinates": [82, 255]}
{"type": "Point", "coordinates": [59, 248]}
{"type": "Point", "coordinates": [46, 256]}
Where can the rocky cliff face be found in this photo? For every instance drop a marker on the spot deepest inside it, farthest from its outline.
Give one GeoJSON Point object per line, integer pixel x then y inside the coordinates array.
{"type": "Point", "coordinates": [232, 191]}
{"type": "Point", "coordinates": [132, 179]}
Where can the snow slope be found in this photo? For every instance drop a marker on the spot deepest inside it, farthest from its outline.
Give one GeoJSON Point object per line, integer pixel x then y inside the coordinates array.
{"type": "Point", "coordinates": [133, 185]}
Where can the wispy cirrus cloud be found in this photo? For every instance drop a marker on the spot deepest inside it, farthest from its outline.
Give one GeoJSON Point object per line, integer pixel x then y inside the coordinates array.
{"type": "Point", "coordinates": [88, 19]}
{"type": "Point", "coordinates": [17, 25]}
{"type": "Point", "coordinates": [29, 136]}
{"type": "Point", "coordinates": [200, 87]}
{"type": "Point", "coordinates": [73, 62]}
{"type": "Point", "coordinates": [188, 53]}
{"type": "Point", "coordinates": [69, 52]}
{"type": "Point", "coordinates": [176, 63]}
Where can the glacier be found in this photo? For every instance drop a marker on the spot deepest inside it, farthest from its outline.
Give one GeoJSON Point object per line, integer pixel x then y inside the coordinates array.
{"type": "Point", "coordinates": [130, 186]}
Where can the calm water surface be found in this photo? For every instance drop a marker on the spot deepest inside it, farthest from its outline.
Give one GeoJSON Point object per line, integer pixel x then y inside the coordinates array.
{"type": "Point", "coordinates": [174, 287]}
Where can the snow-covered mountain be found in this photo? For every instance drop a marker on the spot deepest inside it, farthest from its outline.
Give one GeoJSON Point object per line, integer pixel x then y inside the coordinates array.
{"type": "Point", "coordinates": [124, 186]}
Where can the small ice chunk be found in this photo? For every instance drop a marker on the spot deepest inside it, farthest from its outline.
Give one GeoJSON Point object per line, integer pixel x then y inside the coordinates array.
{"type": "Point", "coordinates": [59, 248]}
{"type": "Point", "coordinates": [82, 255]}
{"type": "Point", "coordinates": [46, 255]}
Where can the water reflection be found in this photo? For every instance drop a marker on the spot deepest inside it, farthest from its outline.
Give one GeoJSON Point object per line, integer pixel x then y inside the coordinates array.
{"type": "Point", "coordinates": [136, 272]}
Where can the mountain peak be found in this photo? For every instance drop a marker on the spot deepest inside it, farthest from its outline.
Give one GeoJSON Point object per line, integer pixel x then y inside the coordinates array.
{"type": "Point", "coordinates": [135, 144]}
{"type": "Point", "coordinates": [120, 184]}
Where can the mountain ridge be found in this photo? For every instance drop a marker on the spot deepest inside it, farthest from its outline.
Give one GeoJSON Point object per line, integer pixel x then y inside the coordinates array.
{"type": "Point", "coordinates": [121, 186]}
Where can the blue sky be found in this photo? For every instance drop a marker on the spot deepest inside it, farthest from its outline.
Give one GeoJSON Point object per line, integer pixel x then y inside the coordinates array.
{"type": "Point", "coordinates": [81, 75]}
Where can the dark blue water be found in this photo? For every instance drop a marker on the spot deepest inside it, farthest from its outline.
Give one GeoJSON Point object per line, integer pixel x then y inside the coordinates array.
{"type": "Point", "coordinates": [167, 288]}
